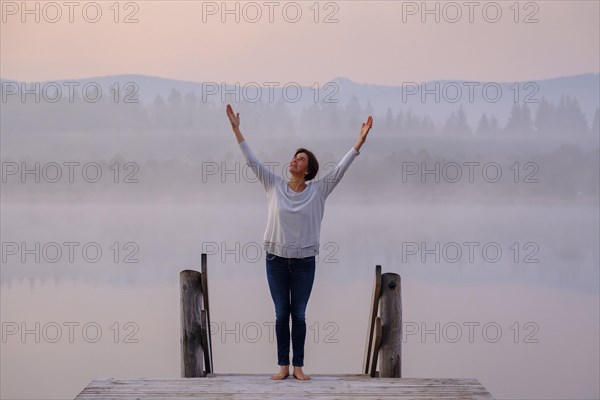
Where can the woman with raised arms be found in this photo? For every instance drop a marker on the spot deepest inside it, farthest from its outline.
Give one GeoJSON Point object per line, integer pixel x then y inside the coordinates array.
{"type": "Point", "coordinates": [291, 239]}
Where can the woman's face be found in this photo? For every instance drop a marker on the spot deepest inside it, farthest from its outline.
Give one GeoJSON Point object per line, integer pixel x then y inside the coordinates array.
{"type": "Point", "coordinates": [299, 164]}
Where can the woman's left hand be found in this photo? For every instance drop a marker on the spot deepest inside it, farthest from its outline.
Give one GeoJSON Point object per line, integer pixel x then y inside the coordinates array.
{"type": "Point", "coordinates": [364, 131]}
{"type": "Point", "coordinates": [366, 127]}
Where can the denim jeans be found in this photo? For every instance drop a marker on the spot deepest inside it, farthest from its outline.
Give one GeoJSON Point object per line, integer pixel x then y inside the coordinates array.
{"type": "Point", "coordinates": [290, 282]}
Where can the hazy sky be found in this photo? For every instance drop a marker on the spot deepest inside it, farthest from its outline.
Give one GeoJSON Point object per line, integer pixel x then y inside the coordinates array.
{"type": "Point", "coordinates": [380, 42]}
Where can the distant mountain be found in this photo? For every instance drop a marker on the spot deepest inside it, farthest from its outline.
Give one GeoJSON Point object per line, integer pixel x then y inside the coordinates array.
{"type": "Point", "coordinates": [585, 88]}
{"type": "Point", "coordinates": [419, 97]}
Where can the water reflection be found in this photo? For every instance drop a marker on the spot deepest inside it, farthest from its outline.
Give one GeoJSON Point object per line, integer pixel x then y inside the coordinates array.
{"type": "Point", "coordinates": [125, 315]}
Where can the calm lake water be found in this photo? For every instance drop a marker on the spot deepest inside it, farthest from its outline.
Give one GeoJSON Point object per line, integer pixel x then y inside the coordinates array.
{"type": "Point", "coordinates": [502, 293]}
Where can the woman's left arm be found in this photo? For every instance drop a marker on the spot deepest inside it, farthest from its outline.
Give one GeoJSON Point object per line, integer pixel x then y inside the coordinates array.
{"type": "Point", "coordinates": [330, 181]}
{"type": "Point", "coordinates": [364, 131]}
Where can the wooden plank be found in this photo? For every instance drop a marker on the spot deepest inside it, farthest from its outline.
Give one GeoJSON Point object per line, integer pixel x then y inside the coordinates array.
{"type": "Point", "coordinates": [204, 332]}
{"type": "Point", "coordinates": [372, 314]}
{"type": "Point", "coordinates": [239, 386]}
{"type": "Point", "coordinates": [376, 346]}
{"type": "Point", "coordinates": [208, 355]}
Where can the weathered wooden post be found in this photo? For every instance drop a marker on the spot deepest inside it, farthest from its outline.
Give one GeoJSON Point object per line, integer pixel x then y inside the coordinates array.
{"type": "Point", "coordinates": [192, 353]}
{"type": "Point", "coordinates": [390, 355]}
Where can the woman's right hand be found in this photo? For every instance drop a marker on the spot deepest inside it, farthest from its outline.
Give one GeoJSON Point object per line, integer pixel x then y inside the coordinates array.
{"type": "Point", "coordinates": [235, 120]}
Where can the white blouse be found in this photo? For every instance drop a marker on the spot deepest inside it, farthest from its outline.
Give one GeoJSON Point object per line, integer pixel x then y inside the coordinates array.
{"type": "Point", "coordinates": [294, 218]}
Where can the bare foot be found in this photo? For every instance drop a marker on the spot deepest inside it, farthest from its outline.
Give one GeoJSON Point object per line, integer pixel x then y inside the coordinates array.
{"type": "Point", "coordinates": [298, 374]}
{"type": "Point", "coordinates": [284, 372]}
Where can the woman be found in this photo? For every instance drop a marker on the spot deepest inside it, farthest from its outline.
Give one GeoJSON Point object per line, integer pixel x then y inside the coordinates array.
{"type": "Point", "coordinates": [295, 211]}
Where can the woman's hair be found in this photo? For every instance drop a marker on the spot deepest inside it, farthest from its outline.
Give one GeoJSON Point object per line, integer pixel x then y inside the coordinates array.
{"type": "Point", "coordinates": [313, 164]}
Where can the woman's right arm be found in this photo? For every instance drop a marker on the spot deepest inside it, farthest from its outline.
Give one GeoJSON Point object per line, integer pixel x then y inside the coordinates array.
{"type": "Point", "coordinates": [264, 174]}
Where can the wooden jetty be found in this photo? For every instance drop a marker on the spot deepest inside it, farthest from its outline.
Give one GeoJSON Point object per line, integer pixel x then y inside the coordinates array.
{"type": "Point", "coordinates": [383, 349]}
{"type": "Point", "coordinates": [261, 387]}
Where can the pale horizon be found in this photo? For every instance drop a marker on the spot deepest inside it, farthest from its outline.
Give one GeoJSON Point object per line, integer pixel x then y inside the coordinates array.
{"type": "Point", "coordinates": [367, 45]}
{"type": "Point", "coordinates": [301, 83]}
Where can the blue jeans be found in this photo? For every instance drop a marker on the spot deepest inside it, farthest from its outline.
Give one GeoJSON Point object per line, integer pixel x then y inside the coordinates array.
{"type": "Point", "coordinates": [290, 282]}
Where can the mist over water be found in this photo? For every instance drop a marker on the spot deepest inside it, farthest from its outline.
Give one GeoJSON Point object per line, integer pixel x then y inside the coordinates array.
{"type": "Point", "coordinates": [495, 237]}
